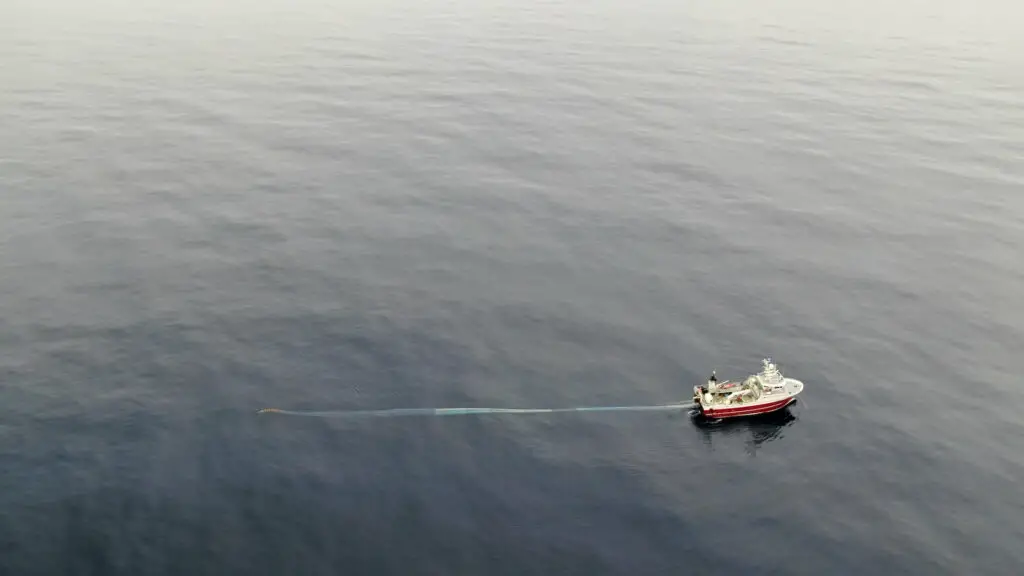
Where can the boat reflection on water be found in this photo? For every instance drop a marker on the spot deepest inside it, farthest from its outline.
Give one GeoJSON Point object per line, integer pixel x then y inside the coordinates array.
{"type": "Point", "coordinates": [756, 430]}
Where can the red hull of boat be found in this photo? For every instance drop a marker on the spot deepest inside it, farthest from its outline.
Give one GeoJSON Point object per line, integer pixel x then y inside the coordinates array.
{"type": "Point", "coordinates": [748, 410]}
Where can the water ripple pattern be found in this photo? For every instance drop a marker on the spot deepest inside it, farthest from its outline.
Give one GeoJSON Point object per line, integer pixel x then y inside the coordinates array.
{"type": "Point", "coordinates": [210, 207]}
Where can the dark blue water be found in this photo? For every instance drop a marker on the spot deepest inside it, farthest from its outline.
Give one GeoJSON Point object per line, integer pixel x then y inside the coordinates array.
{"type": "Point", "coordinates": [207, 208]}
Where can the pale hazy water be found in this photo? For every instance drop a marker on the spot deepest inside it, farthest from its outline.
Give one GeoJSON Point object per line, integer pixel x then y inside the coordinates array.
{"type": "Point", "coordinates": [211, 207]}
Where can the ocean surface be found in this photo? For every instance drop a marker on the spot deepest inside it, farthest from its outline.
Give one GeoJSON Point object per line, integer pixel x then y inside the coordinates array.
{"type": "Point", "coordinates": [208, 208]}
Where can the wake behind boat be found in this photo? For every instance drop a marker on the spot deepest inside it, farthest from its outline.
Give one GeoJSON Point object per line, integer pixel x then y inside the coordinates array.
{"type": "Point", "coordinates": [766, 391]}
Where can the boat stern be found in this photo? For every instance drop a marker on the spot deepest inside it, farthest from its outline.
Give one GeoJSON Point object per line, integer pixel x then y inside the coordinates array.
{"type": "Point", "coordinates": [698, 398]}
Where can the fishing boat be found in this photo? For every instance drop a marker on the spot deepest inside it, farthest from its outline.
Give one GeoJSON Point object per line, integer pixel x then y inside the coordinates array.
{"type": "Point", "coordinates": [766, 391]}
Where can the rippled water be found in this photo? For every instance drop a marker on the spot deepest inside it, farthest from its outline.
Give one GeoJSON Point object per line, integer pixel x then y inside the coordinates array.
{"type": "Point", "coordinates": [208, 208]}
